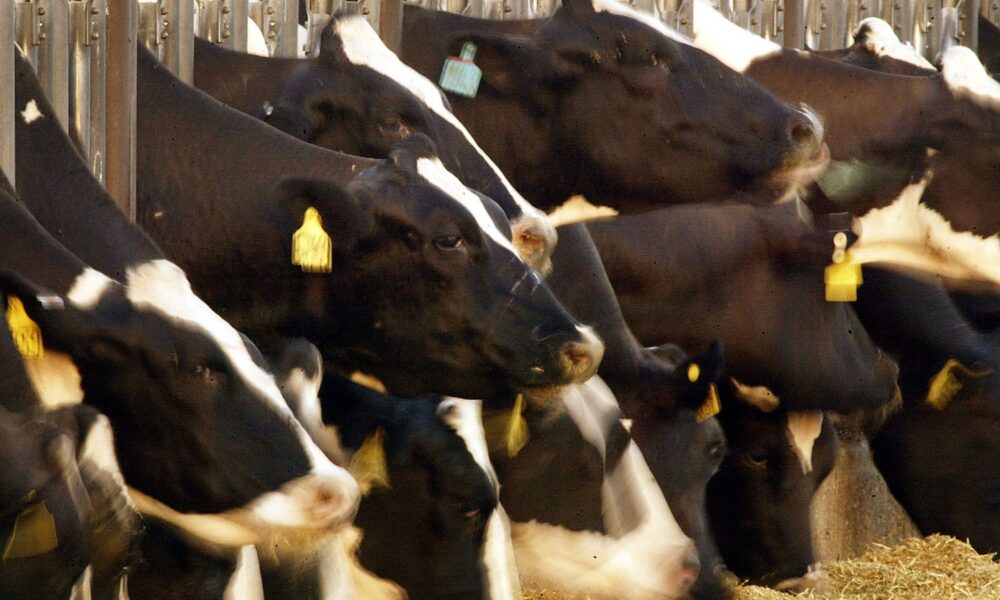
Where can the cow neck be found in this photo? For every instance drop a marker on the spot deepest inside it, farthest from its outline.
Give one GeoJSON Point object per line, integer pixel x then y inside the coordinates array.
{"type": "Point", "coordinates": [824, 85]}
{"type": "Point", "coordinates": [29, 250]}
{"type": "Point", "coordinates": [200, 162]}
{"type": "Point", "coordinates": [243, 81]}
{"type": "Point", "coordinates": [56, 185]}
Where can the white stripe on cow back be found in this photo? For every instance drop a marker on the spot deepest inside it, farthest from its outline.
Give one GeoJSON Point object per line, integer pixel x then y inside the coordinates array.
{"type": "Point", "coordinates": [911, 234]}
{"type": "Point", "coordinates": [803, 430]}
{"type": "Point", "coordinates": [465, 418]}
{"type": "Point", "coordinates": [967, 78]}
{"type": "Point", "coordinates": [364, 47]}
{"type": "Point", "coordinates": [434, 172]}
{"type": "Point", "coordinates": [162, 286]}
{"type": "Point", "coordinates": [736, 47]}
{"type": "Point", "coordinates": [644, 545]}
{"type": "Point", "coordinates": [882, 41]}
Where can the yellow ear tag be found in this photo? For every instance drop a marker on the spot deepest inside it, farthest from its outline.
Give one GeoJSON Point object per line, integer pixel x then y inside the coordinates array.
{"type": "Point", "coordinates": [27, 336]}
{"type": "Point", "coordinates": [842, 278]}
{"type": "Point", "coordinates": [312, 248]}
{"type": "Point", "coordinates": [368, 465]}
{"type": "Point", "coordinates": [945, 385]}
{"type": "Point", "coordinates": [694, 372]}
{"type": "Point", "coordinates": [34, 533]}
{"type": "Point", "coordinates": [517, 429]}
{"type": "Point", "coordinates": [711, 407]}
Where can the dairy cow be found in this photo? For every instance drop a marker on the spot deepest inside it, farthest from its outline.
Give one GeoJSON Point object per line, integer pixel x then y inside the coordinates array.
{"type": "Point", "coordinates": [358, 97]}
{"type": "Point", "coordinates": [425, 292]}
{"type": "Point", "coordinates": [601, 101]}
{"type": "Point", "coordinates": [877, 48]}
{"type": "Point", "coordinates": [931, 453]}
{"type": "Point", "coordinates": [752, 278]}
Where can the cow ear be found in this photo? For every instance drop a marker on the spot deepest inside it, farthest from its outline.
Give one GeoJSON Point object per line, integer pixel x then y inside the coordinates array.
{"type": "Point", "coordinates": [510, 65]}
{"type": "Point", "coordinates": [697, 377]}
{"type": "Point", "coordinates": [340, 213]}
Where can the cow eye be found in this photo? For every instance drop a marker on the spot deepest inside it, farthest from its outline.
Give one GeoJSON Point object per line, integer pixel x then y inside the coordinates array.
{"type": "Point", "coordinates": [395, 128]}
{"type": "Point", "coordinates": [209, 376]}
{"type": "Point", "coordinates": [756, 462]}
{"type": "Point", "coordinates": [449, 242]}
{"type": "Point", "coordinates": [717, 451]}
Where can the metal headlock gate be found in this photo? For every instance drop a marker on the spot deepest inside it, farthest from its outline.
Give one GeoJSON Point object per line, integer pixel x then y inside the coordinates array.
{"type": "Point", "coordinates": [83, 49]}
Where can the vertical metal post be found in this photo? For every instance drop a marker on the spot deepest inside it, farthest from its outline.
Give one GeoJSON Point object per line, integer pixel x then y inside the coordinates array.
{"type": "Point", "coordinates": [7, 107]}
{"type": "Point", "coordinates": [121, 97]}
{"type": "Point", "coordinates": [87, 80]}
{"type": "Point", "coordinates": [794, 27]}
{"type": "Point", "coordinates": [224, 22]}
{"type": "Point", "coordinates": [278, 21]}
{"type": "Point", "coordinates": [390, 24]}
{"type": "Point", "coordinates": [44, 37]}
{"type": "Point", "coordinates": [175, 37]}
{"type": "Point", "coordinates": [968, 19]}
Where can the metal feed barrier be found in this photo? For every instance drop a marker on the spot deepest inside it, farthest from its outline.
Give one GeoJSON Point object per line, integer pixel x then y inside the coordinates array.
{"type": "Point", "coordinates": [83, 49]}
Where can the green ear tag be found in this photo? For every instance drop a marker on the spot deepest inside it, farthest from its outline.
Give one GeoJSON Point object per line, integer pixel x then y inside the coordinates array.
{"type": "Point", "coordinates": [460, 75]}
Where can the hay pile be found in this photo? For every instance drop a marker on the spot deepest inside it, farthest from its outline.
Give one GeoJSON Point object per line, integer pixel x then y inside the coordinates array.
{"type": "Point", "coordinates": [936, 567]}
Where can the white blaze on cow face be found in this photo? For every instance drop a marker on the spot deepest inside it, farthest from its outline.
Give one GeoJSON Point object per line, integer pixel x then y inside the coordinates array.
{"type": "Point", "coordinates": [803, 430]}
{"type": "Point", "coordinates": [911, 235]}
{"type": "Point", "coordinates": [163, 287]}
{"type": "Point", "coordinates": [434, 172]}
{"type": "Point", "coordinates": [341, 576]}
{"type": "Point", "coordinates": [881, 40]}
{"type": "Point", "coordinates": [736, 47]}
{"type": "Point", "coordinates": [465, 418]}
{"type": "Point", "coordinates": [245, 583]}
{"type": "Point", "coordinates": [967, 78]}
{"type": "Point", "coordinates": [88, 288]}
{"type": "Point", "coordinates": [644, 552]}
{"type": "Point", "coordinates": [30, 114]}
{"type": "Point", "coordinates": [363, 47]}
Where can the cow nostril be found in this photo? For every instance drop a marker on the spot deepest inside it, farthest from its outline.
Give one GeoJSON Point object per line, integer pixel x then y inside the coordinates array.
{"type": "Point", "coordinates": [690, 569]}
{"type": "Point", "coordinates": [801, 131]}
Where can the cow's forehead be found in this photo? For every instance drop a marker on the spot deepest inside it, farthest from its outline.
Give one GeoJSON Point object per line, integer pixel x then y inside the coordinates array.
{"type": "Point", "coordinates": [434, 172]}
{"type": "Point", "coordinates": [623, 10]}
{"type": "Point", "coordinates": [362, 46]}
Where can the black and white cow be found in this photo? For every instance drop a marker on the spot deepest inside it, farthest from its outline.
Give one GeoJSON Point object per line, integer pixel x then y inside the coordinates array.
{"type": "Point", "coordinates": [751, 277]}
{"type": "Point", "coordinates": [933, 452]}
{"type": "Point", "coordinates": [426, 291]}
{"type": "Point", "coordinates": [428, 516]}
{"type": "Point", "coordinates": [358, 97]}
{"type": "Point", "coordinates": [877, 48]}
{"type": "Point", "coordinates": [602, 101]}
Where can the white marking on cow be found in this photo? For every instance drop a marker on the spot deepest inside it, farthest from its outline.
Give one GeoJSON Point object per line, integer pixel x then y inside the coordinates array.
{"type": "Point", "coordinates": [342, 577]}
{"type": "Point", "coordinates": [803, 430]}
{"type": "Point", "coordinates": [736, 47]}
{"type": "Point", "coordinates": [967, 78]}
{"type": "Point", "coordinates": [162, 286]}
{"type": "Point", "coordinates": [88, 288]}
{"type": "Point", "coordinates": [81, 589]}
{"type": "Point", "coordinates": [644, 550]}
{"type": "Point", "coordinates": [434, 172]}
{"type": "Point", "coordinates": [256, 44]}
{"type": "Point", "coordinates": [55, 378]}
{"type": "Point", "coordinates": [578, 210]}
{"type": "Point", "coordinates": [30, 114]}
{"type": "Point", "coordinates": [246, 582]}
{"type": "Point", "coordinates": [99, 450]}
{"type": "Point", "coordinates": [363, 46]}
{"type": "Point", "coordinates": [502, 581]}
{"type": "Point", "coordinates": [758, 396]}
{"type": "Point", "coordinates": [911, 235]}
{"type": "Point", "coordinates": [623, 10]}
{"type": "Point", "coordinates": [881, 40]}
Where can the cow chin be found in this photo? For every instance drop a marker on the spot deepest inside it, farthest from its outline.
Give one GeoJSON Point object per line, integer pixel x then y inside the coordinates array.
{"type": "Point", "coordinates": [792, 179]}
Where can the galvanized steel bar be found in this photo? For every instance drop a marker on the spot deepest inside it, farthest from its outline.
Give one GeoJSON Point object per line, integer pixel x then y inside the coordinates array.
{"type": "Point", "coordinates": [44, 37]}
{"type": "Point", "coordinates": [224, 22]}
{"type": "Point", "coordinates": [87, 80]}
{"type": "Point", "coordinates": [121, 96]}
{"type": "Point", "coordinates": [678, 14]}
{"type": "Point", "coordinates": [7, 108]}
{"type": "Point", "coordinates": [175, 37]}
{"type": "Point", "coordinates": [794, 23]}
{"type": "Point", "coordinates": [318, 13]}
{"type": "Point", "coordinates": [278, 20]}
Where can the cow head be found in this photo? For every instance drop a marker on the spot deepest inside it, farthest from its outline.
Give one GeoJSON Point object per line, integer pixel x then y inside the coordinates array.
{"type": "Point", "coordinates": [201, 427]}
{"type": "Point", "coordinates": [759, 501]}
{"type": "Point", "coordinates": [684, 450]}
{"type": "Point", "coordinates": [358, 97]}
{"type": "Point", "coordinates": [635, 109]}
{"type": "Point", "coordinates": [436, 288]}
